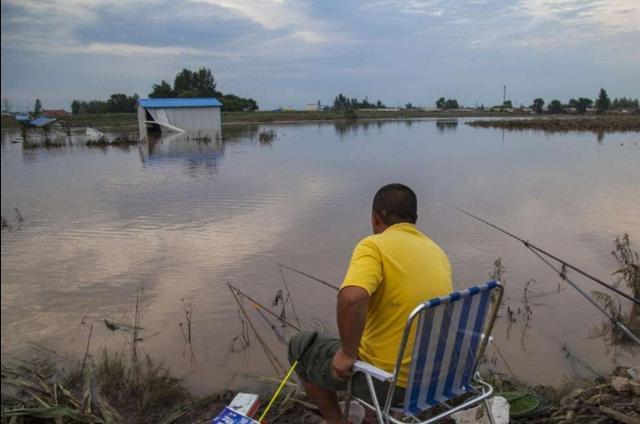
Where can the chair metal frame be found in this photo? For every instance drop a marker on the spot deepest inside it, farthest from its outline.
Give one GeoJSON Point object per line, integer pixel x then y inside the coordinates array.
{"type": "Point", "coordinates": [482, 389]}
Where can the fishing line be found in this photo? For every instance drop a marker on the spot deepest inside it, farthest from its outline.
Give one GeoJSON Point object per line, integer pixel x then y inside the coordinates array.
{"type": "Point", "coordinates": [264, 308]}
{"type": "Point", "coordinates": [336, 288]}
{"type": "Point", "coordinates": [561, 272]}
{"type": "Point", "coordinates": [535, 249]}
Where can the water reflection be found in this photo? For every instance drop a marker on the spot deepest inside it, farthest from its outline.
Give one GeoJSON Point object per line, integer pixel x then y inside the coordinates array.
{"type": "Point", "coordinates": [100, 222]}
{"type": "Point", "coordinates": [347, 127]}
{"type": "Point", "coordinates": [350, 127]}
{"type": "Point", "coordinates": [446, 125]}
{"type": "Point", "coordinates": [200, 151]}
{"type": "Point", "coordinates": [238, 132]}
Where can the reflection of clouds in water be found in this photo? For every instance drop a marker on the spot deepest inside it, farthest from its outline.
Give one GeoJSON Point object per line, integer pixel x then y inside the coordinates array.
{"type": "Point", "coordinates": [171, 238]}
{"type": "Point", "coordinates": [98, 223]}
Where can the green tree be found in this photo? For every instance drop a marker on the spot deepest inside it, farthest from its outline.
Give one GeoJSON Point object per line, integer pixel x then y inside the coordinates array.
{"type": "Point", "coordinates": [440, 103]}
{"type": "Point", "coordinates": [537, 105]}
{"type": "Point", "coordinates": [121, 103]}
{"type": "Point", "coordinates": [195, 84]}
{"type": "Point", "coordinates": [408, 106]}
{"type": "Point", "coordinates": [555, 106]}
{"type": "Point", "coordinates": [583, 104]}
{"type": "Point", "coordinates": [451, 104]}
{"type": "Point", "coordinates": [201, 83]}
{"type": "Point", "coordinates": [117, 103]}
{"type": "Point", "coordinates": [37, 108]}
{"type": "Point", "coordinates": [603, 103]}
{"type": "Point", "coordinates": [233, 103]}
{"type": "Point", "coordinates": [75, 107]}
{"type": "Point", "coordinates": [507, 104]}
{"type": "Point", "coordinates": [341, 102]}
{"type": "Point", "coordinates": [624, 103]}
{"type": "Point", "coordinates": [162, 91]}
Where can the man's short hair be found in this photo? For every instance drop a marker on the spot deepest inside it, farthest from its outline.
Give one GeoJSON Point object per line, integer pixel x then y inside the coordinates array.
{"type": "Point", "coordinates": [395, 203]}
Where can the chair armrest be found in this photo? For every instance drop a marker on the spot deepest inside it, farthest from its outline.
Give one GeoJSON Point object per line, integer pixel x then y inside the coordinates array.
{"type": "Point", "coordinates": [373, 371]}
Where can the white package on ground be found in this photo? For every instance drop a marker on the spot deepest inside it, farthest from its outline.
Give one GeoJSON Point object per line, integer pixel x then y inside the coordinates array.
{"type": "Point", "coordinates": [478, 415]}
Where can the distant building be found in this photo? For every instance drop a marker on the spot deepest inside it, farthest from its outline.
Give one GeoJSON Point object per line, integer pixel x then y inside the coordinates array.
{"type": "Point", "coordinates": [55, 113]}
{"type": "Point", "coordinates": [317, 106]}
{"type": "Point", "coordinates": [179, 115]}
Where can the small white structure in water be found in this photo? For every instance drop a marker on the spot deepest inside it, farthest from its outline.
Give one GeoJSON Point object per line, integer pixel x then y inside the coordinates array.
{"type": "Point", "coordinates": [93, 134]}
{"type": "Point", "coordinates": [198, 114]}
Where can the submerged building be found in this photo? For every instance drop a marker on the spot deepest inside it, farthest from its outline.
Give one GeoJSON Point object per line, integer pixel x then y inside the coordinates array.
{"type": "Point", "coordinates": [179, 115]}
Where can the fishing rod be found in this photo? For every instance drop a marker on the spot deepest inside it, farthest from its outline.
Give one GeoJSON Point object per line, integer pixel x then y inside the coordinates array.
{"type": "Point", "coordinates": [264, 308]}
{"type": "Point", "coordinates": [333, 286]}
{"type": "Point", "coordinates": [563, 275]}
{"type": "Point", "coordinates": [337, 289]}
{"type": "Point", "coordinates": [534, 248]}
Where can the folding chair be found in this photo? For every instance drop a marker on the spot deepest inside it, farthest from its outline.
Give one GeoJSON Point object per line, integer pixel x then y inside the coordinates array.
{"type": "Point", "coordinates": [451, 335]}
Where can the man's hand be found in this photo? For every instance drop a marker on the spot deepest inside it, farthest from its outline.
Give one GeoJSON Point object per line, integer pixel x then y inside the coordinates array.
{"type": "Point", "coordinates": [342, 365]}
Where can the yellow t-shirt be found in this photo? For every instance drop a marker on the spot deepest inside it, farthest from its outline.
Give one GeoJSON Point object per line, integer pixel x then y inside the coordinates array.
{"type": "Point", "coordinates": [399, 268]}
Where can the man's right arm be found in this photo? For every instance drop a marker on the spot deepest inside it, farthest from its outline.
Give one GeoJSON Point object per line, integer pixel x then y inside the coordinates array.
{"type": "Point", "coordinates": [363, 278]}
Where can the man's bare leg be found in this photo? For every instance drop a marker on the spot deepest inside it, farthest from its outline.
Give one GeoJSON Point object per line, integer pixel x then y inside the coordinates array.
{"type": "Point", "coordinates": [326, 401]}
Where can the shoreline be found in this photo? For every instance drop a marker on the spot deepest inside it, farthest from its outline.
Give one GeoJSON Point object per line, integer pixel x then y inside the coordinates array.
{"type": "Point", "coordinates": [501, 120]}
{"type": "Point", "coordinates": [119, 120]}
{"type": "Point", "coordinates": [121, 387]}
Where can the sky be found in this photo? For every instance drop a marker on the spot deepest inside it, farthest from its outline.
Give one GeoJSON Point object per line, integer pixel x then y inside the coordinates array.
{"type": "Point", "coordinates": [290, 53]}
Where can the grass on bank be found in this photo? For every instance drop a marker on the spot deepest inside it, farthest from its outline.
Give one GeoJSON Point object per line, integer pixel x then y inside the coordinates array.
{"type": "Point", "coordinates": [108, 389]}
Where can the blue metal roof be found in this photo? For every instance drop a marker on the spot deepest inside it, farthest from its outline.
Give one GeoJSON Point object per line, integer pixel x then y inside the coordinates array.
{"type": "Point", "coordinates": [43, 121]}
{"type": "Point", "coordinates": [171, 103]}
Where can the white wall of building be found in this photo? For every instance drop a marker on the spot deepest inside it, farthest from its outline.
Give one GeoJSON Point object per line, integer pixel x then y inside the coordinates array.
{"type": "Point", "coordinates": [185, 118]}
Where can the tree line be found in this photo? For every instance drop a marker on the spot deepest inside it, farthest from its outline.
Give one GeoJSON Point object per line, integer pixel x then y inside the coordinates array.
{"type": "Point", "coordinates": [117, 103]}
{"type": "Point", "coordinates": [341, 102]}
{"type": "Point", "coordinates": [187, 83]}
{"type": "Point", "coordinates": [201, 83]}
{"type": "Point", "coordinates": [601, 104]}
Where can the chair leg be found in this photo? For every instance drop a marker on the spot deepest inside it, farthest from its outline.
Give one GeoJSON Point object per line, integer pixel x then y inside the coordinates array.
{"type": "Point", "coordinates": [347, 403]}
{"type": "Point", "coordinates": [381, 418]}
{"type": "Point", "coordinates": [489, 414]}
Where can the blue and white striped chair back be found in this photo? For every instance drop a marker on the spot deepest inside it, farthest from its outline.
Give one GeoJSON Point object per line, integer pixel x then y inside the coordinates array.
{"type": "Point", "coordinates": [446, 347]}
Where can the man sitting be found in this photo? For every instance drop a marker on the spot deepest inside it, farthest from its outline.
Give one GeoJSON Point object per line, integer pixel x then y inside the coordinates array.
{"type": "Point", "coordinates": [391, 272]}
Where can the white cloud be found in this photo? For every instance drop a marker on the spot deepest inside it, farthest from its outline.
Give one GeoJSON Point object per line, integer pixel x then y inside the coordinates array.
{"type": "Point", "coordinates": [611, 16]}
{"type": "Point", "coordinates": [124, 49]}
{"type": "Point", "coordinates": [279, 14]}
{"type": "Point", "coordinates": [531, 23]}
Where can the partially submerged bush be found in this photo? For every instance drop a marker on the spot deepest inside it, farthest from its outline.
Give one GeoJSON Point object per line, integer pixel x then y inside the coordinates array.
{"type": "Point", "coordinates": [628, 272]}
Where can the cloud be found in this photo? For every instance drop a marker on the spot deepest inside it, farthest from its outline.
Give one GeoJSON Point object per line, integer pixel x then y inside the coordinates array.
{"type": "Point", "coordinates": [291, 52]}
{"type": "Point", "coordinates": [608, 16]}
{"type": "Point", "coordinates": [532, 23]}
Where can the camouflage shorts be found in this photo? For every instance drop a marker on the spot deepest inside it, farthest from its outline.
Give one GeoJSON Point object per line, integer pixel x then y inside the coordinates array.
{"type": "Point", "coordinates": [315, 367]}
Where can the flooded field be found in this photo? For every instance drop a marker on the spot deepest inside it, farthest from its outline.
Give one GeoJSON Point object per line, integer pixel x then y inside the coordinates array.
{"type": "Point", "coordinates": [182, 217]}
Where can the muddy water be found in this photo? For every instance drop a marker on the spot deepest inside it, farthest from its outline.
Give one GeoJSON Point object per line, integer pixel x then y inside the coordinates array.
{"type": "Point", "coordinates": [182, 218]}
